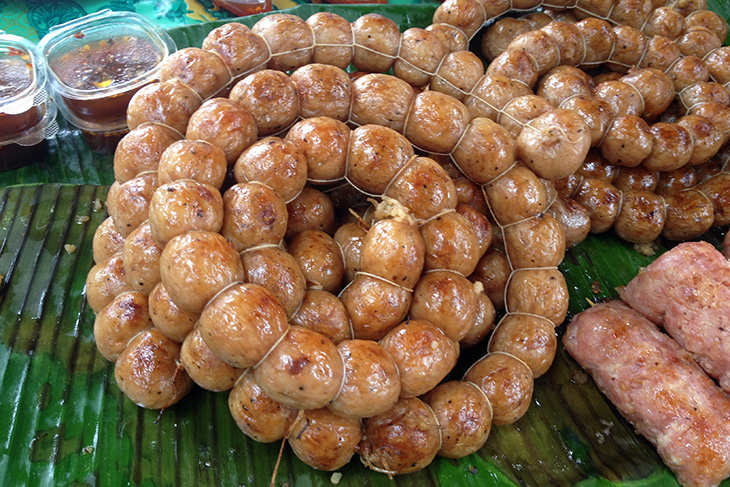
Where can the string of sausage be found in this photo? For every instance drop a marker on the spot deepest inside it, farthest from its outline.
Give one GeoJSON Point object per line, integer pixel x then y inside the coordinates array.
{"type": "Point", "coordinates": [618, 140]}
{"type": "Point", "coordinates": [505, 220]}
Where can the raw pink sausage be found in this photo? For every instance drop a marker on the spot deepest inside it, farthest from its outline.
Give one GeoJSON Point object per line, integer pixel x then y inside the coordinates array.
{"type": "Point", "coordinates": [687, 291]}
{"type": "Point", "coordinates": [658, 388]}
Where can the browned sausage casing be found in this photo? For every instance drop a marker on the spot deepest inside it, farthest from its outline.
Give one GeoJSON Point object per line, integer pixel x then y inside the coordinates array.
{"type": "Point", "coordinates": [256, 414]}
{"type": "Point", "coordinates": [403, 439]}
{"type": "Point", "coordinates": [148, 371]}
{"type": "Point", "coordinates": [204, 367]}
{"type": "Point", "coordinates": [372, 383]}
{"type": "Point", "coordinates": [325, 440]}
{"type": "Point", "coordinates": [304, 370]}
{"type": "Point", "coordinates": [119, 321]}
{"type": "Point", "coordinates": [464, 414]}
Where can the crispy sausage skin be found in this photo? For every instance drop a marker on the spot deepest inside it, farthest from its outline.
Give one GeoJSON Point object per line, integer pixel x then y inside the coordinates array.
{"type": "Point", "coordinates": [657, 387]}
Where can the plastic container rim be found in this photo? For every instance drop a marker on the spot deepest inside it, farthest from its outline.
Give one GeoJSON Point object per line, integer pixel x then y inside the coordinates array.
{"type": "Point", "coordinates": [159, 38]}
{"type": "Point", "coordinates": [39, 75]}
{"type": "Point", "coordinates": [46, 128]}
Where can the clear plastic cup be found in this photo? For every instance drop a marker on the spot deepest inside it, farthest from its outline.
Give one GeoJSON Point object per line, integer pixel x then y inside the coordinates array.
{"type": "Point", "coordinates": [27, 113]}
{"type": "Point", "coordinates": [98, 62]}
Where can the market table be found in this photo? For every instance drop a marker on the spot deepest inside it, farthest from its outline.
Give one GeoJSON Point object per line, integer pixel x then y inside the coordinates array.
{"type": "Point", "coordinates": [67, 423]}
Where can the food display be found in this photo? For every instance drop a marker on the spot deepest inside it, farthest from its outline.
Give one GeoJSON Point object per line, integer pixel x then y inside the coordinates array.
{"type": "Point", "coordinates": [292, 232]}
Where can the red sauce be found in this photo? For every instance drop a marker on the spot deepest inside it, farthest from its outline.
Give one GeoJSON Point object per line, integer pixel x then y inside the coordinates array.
{"type": "Point", "coordinates": [244, 7]}
{"type": "Point", "coordinates": [351, 2]}
{"type": "Point", "coordinates": [104, 143]}
{"type": "Point", "coordinates": [11, 125]}
{"type": "Point", "coordinates": [16, 75]}
{"type": "Point", "coordinates": [103, 65]}
{"type": "Point", "coordinates": [108, 110]}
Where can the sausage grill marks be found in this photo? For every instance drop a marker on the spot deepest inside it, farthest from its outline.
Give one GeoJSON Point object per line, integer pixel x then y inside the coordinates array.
{"type": "Point", "coordinates": [497, 144]}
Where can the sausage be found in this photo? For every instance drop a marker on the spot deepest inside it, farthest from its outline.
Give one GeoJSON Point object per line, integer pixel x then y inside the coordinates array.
{"type": "Point", "coordinates": [324, 91]}
{"type": "Point", "coordinates": [256, 414]}
{"type": "Point", "coordinates": [310, 210]}
{"type": "Point", "coordinates": [204, 72]}
{"type": "Point", "coordinates": [304, 370]}
{"type": "Point", "coordinates": [242, 323]}
{"type": "Point", "coordinates": [253, 214]}
{"type": "Point", "coordinates": [242, 50]}
{"type": "Point", "coordinates": [419, 56]}
{"type": "Point", "coordinates": [204, 367]}
{"type": "Point", "coordinates": [687, 290]}
{"type": "Point", "coordinates": [169, 102]}
{"type": "Point", "coordinates": [376, 43]}
{"type": "Point", "coordinates": [173, 322]}
{"type": "Point", "coordinates": [141, 257]}
{"type": "Point", "coordinates": [375, 306]}
{"type": "Point", "coordinates": [658, 388]}
{"type": "Point", "coordinates": [277, 271]}
{"type": "Point", "coordinates": [192, 159]}
{"type": "Point", "coordinates": [275, 162]}
{"type": "Point", "coordinates": [119, 321]}
{"type": "Point", "coordinates": [372, 383]}
{"type": "Point", "coordinates": [324, 142]}
{"type": "Point", "coordinates": [270, 97]}
{"type": "Point", "coordinates": [451, 242]}
{"type": "Point", "coordinates": [447, 299]}
{"type": "Point", "coordinates": [128, 202]}
{"type": "Point", "coordinates": [181, 206]}
{"type": "Point", "coordinates": [324, 313]}
{"type": "Point", "coordinates": [290, 39]}
{"type": "Point", "coordinates": [196, 265]}
{"type": "Point", "coordinates": [105, 281]}
{"type": "Point", "coordinates": [424, 188]}
{"type": "Point", "coordinates": [464, 415]}
{"type": "Point", "coordinates": [436, 122]}
{"type": "Point", "coordinates": [319, 258]}
{"type": "Point", "coordinates": [148, 371]}
{"type": "Point", "coordinates": [225, 125]}
{"type": "Point", "coordinates": [140, 150]}
{"type": "Point", "coordinates": [423, 353]}
{"type": "Point", "coordinates": [332, 39]}
{"type": "Point", "coordinates": [325, 440]}
{"type": "Point", "coordinates": [107, 241]}
{"type": "Point", "coordinates": [403, 439]}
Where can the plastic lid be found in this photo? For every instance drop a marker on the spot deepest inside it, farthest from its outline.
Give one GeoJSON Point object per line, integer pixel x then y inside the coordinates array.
{"type": "Point", "coordinates": [87, 125]}
{"type": "Point", "coordinates": [46, 128]}
{"type": "Point", "coordinates": [22, 75]}
{"type": "Point", "coordinates": [27, 113]}
{"type": "Point", "coordinates": [100, 31]}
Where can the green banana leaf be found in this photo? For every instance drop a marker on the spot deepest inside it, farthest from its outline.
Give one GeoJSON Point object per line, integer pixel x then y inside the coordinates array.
{"type": "Point", "coordinates": [64, 422]}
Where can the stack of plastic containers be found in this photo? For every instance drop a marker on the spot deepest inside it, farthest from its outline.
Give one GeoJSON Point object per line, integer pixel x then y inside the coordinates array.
{"type": "Point", "coordinates": [96, 64]}
{"type": "Point", "coordinates": [27, 113]}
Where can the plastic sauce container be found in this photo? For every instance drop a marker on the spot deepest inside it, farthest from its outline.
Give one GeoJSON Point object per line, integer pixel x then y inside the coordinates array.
{"type": "Point", "coordinates": [27, 114]}
{"type": "Point", "coordinates": [244, 7]}
{"type": "Point", "coordinates": [96, 64]}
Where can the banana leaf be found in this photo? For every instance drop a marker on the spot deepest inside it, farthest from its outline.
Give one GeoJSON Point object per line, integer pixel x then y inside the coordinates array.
{"type": "Point", "coordinates": [64, 422]}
